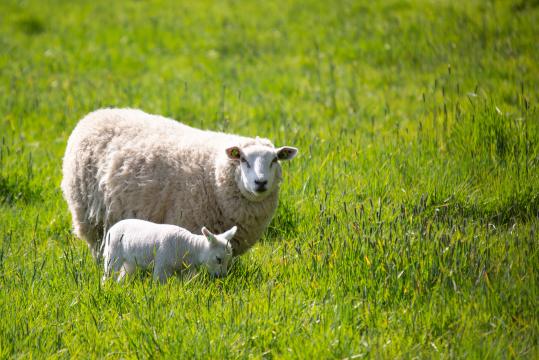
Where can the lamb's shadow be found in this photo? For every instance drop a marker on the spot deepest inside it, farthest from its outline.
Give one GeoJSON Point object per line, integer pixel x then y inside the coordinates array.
{"type": "Point", "coordinates": [242, 275]}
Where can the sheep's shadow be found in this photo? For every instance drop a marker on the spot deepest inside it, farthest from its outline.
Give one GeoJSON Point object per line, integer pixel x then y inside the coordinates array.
{"type": "Point", "coordinates": [284, 223]}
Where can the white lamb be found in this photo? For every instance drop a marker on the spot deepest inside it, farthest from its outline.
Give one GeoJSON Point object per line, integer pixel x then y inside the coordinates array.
{"type": "Point", "coordinates": [125, 163]}
{"type": "Point", "coordinates": [136, 243]}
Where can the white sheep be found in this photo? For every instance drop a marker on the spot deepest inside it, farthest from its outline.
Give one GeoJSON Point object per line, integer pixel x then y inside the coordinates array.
{"type": "Point", "coordinates": [125, 163]}
{"type": "Point", "coordinates": [133, 243]}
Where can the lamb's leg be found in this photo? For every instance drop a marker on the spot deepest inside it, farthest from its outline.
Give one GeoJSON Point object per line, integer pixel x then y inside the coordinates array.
{"type": "Point", "coordinates": [121, 275]}
{"type": "Point", "coordinates": [126, 269]}
{"type": "Point", "coordinates": [161, 272]}
{"type": "Point", "coordinates": [112, 262]}
{"type": "Point", "coordinates": [107, 266]}
{"type": "Point", "coordinates": [159, 275]}
{"type": "Point", "coordinates": [108, 256]}
{"type": "Point", "coordinates": [187, 273]}
{"type": "Point", "coordinates": [129, 268]}
{"type": "Point", "coordinates": [117, 262]}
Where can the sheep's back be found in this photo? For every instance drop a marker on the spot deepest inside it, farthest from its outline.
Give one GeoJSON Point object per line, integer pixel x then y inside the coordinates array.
{"type": "Point", "coordinates": [123, 163]}
{"type": "Point", "coordinates": [128, 164]}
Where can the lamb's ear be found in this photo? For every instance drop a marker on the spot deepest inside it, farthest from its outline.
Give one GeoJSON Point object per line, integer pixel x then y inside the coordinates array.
{"type": "Point", "coordinates": [286, 152]}
{"type": "Point", "coordinates": [230, 233]}
{"type": "Point", "coordinates": [211, 238]}
{"type": "Point", "coordinates": [234, 153]}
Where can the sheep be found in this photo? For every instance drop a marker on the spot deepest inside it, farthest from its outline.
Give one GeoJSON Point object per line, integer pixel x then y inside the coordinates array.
{"type": "Point", "coordinates": [132, 242]}
{"type": "Point", "coordinates": [125, 163]}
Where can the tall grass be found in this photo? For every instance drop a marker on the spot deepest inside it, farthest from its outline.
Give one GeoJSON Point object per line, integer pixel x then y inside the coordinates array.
{"type": "Point", "coordinates": [407, 226]}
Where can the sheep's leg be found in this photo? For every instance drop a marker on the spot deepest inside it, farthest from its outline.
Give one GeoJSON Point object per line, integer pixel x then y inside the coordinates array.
{"type": "Point", "coordinates": [84, 229]}
{"type": "Point", "coordinates": [94, 244]}
{"type": "Point", "coordinates": [86, 212]}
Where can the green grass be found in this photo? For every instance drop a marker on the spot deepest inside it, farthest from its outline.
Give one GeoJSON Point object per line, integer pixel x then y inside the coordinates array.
{"type": "Point", "coordinates": [408, 224]}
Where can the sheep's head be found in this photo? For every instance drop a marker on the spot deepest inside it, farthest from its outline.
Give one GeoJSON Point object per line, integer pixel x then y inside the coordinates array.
{"type": "Point", "coordinates": [219, 252]}
{"type": "Point", "coordinates": [259, 171]}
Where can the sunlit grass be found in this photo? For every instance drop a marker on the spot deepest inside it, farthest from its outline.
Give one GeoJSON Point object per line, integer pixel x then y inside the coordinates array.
{"type": "Point", "coordinates": [407, 225]}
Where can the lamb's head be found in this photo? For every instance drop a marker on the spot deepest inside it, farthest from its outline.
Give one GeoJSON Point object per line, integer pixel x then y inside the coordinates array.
{"type": "Point", "coordinates": [259, 171]}
{"type": "Point", "coordinates": [219, 253]}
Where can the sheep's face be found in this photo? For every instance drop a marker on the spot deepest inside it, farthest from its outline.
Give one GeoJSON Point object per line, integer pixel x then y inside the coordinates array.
{"type": "Point", "coordinates": [259, 169]}
{"type": "Point", "coordinates": [219, 251]}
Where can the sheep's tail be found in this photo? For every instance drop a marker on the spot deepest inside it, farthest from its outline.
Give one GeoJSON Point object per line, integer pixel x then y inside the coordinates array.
{"type": "Point", "coordinates": [102, 244]}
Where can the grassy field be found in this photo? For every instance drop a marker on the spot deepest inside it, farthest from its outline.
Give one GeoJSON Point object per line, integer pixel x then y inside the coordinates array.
{"type": "Point", "coordinates": [408, 225]}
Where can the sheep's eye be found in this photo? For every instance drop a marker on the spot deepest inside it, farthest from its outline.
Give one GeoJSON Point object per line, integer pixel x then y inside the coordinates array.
{"type": "Point", "coordinates": [274, 160]}
{"type": "Point", "coordinates": [242, 159]}
{"type": "Point", "coordinates": [219, 260]}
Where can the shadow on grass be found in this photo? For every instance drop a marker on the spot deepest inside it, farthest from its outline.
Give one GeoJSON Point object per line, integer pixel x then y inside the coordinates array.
{"type": "Point", "coordinates": [517, 206]}
{"type": "Point", "coordinates": [284, 223]}
{"type": "Point", "coordinates": [13, 190]}
{"type": "Point", "coordinates": [31, 25]}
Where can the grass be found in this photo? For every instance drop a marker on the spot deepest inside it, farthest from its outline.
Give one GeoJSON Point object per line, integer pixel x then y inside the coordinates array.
{"type": "Point", "coordinates": [407, 226]}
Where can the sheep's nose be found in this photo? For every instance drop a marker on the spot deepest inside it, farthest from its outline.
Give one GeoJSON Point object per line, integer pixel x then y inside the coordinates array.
{"type": "Point", "coordinates": [261, 185]}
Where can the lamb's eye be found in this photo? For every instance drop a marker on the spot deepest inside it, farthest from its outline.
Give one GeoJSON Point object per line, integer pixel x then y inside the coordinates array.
{"type": "Point", "coordinates": [219, 260]}
{"type": "Point", "coordinates": [274, 160]}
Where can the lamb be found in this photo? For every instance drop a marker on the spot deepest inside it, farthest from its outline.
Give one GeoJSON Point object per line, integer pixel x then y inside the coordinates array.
{"type": "Point", "coordinates": [125, 163]}
{"type": "Point", "coordinates": [132, 242]}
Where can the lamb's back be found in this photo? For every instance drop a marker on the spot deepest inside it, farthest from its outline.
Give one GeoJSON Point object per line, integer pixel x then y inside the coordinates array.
{"type": "Point", "coordinates": [136, 232]}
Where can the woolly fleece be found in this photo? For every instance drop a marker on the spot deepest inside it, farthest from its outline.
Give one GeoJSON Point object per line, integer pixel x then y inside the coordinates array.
{"type": "Point", "coordinates": [125, 163]}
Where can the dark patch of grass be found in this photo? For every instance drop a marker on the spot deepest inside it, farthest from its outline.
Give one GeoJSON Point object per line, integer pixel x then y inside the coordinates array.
{"type": "Point", "coordinates": [14, 189]}
{"type": "Point", "coordinates": [31, 25]}
{"type": "Point", "coordinates": [284, 223]}
{"type": "Point", "coordinates": [514, 207]}
{"type": "Point", "coordinates": [524, 5]}
{"type": "Point", "coordinates": [486, 134]}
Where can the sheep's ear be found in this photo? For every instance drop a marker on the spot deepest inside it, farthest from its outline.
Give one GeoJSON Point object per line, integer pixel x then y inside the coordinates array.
{"type": "Point", "coordinates": [233, 153]}
{"type": "Point", "coordinates": [211, 238]}
{"type": "Point", "coordinates": [230, 233]}
{"type": "Point", "coordinates": [286, 152]}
